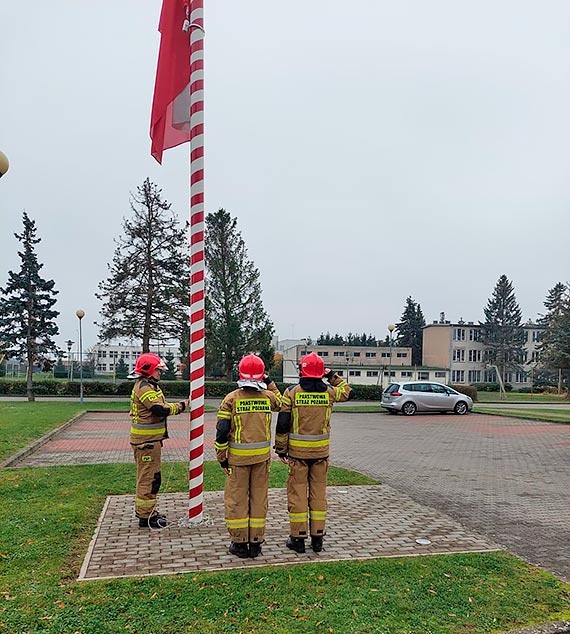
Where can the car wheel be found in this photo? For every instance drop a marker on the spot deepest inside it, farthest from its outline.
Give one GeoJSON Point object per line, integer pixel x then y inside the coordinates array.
{"type": "Point", "coordinates": [409, 408]}
{"type": "Point", "coordinates": [460, 407]}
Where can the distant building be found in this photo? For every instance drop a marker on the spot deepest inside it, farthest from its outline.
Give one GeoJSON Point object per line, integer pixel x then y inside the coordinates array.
{"type": "Point", "coordinates": [107, 355]}
{"type": "Point", "coordinates": [363, 365]}
{"type": "Point", "coordinates": [458, 347]}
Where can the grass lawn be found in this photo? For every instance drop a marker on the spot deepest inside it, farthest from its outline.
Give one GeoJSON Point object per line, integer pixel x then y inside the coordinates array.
{"type": "Point", "coordinates": [534, 413]}
{"type": "Point", "coordinates": [50, 514]}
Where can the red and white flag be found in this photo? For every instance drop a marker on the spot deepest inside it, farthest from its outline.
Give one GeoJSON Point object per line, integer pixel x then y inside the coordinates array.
{"type": "Point", "coordinates": [170, 115]}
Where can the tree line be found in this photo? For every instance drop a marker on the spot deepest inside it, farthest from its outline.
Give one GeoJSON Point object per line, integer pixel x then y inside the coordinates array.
{"type": "Point", "coordinates": [146, 294]}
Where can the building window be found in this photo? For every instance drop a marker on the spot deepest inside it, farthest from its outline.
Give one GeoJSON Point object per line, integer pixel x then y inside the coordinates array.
{"type": "Point", "coordinates": [459, 355]}
{"type": "Point", "coordinates": [371, 355]}
{"type": "Point", "coordinates": [440, 375]}
{"type": "Point", "coordinates": [459, 334]}
{"type": "Point", "coordinates": [354, 373]}
{"type": "Point", "coordinates": [475, 355]}
{"type": "Point", "coordinates": [474, 376]}
{"type": "Point", "coordinates": [406, 373]}
{"type": "Point", "coordinates": [458, 376]}
{"type": "Point", "coordinates": [401, 355]}
{"type": "Point", "coordinates": [371, 372]}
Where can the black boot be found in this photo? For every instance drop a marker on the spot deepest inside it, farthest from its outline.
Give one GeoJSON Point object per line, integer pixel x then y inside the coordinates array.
{"type": "Point", "coordinates": [316, 543]}
{"type": "Point", "coordinates": [254, 549]}
{"type": "Point", "coordinates": [155, 521]}
{"type": "Point", "coordinates": [296, 543]}
{"type": "Point", "coordinates": [239, 550]}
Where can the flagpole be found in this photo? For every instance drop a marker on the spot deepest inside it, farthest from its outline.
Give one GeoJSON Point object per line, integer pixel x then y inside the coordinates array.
{"type": "Point", "coordinates": [197, 264]}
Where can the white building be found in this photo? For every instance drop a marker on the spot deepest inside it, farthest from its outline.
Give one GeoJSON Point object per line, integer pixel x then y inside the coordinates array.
{"type": "Point", "coordinates": [108, 355]}
{"type": "Point", "coordinates": [363, 365]}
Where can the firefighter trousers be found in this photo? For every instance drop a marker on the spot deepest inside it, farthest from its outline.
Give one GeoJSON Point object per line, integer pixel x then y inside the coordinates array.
{"type": "Point", "coordinates": [307, 496]}
{"type": "Point", "coordinates": [245, 502]}
{"type": "Point", "coordinates": [147, 458]}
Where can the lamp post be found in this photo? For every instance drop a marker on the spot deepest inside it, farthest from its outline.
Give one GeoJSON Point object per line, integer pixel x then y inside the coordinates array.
{"type": "Point", "coordinates": [391, 329]}
{"type": "Point", "coordinates": [80, 314]}
{"type": "Point", "coordinates": [69, 343]}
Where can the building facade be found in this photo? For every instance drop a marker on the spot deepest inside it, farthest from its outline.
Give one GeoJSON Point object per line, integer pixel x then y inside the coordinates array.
{"type": "Point", "coordinates": [458, 346]}
{"type": "Point", "coordinates": [363, 365]}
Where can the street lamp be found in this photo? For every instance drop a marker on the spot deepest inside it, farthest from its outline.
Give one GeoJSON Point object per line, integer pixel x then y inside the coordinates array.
{"type": "Point", "coordinates": [391, 329]}
{"type": "Point", "coordinates": [80, 314]}
{"type": "Point", "coordinates": [69, 343]}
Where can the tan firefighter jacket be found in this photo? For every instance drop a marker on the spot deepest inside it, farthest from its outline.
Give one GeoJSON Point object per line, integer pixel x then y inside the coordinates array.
{"type": "Point", "coordinates": [149, 411]}
{"type": "Point", "coordinates": [303, 425]}
{"type": "Point", "coordinates": [243, 430]}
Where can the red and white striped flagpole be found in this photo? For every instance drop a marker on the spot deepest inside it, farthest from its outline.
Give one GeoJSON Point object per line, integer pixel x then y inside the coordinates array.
{"type": "Point", "coordinates": [197, 264]}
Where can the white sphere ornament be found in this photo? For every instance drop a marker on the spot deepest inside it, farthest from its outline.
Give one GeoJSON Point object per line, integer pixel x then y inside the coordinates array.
{"type": "Point", "coordinates": [4, 164]}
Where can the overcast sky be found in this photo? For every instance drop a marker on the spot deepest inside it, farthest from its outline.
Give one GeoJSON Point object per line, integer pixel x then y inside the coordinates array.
{"type": "Point", "coordinates": [371, 150]}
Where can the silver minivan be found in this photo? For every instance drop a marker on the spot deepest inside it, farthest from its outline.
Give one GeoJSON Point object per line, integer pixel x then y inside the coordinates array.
{"type": "Point", "coordinates": [424, 396]}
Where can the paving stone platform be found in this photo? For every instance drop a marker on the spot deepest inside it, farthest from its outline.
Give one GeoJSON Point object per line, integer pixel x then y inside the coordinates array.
{"type": "Point", "coordinates": [382, 521]}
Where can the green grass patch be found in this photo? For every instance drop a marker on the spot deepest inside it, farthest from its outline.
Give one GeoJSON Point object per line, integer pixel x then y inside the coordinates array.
{"type": "Point", "coordinates": [518, 397]}
{"type": "Point", "coordinates": [52, 514]}
{"type": "Point", "coordinates": [544, 414]}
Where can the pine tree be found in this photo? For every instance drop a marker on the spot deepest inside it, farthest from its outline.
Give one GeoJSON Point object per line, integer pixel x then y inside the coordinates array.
{"type": "Point", "coordinates": [146, 295]}
{"type": "Point", "coordinates": [502, 331]}
{"type": "Point", "coordinates": [554, 347]}
{"type": "Point", "coordinates": [27, 318]}
{"type": "Point", "coordinates": [236, 322]}
{"type": "Point", "coordinates": [410, 330]}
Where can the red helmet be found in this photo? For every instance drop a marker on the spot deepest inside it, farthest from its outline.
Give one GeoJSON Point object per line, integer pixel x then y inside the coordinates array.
{"type": "Point", "coordinates": [251, 367]}
{"type": "Point", "coordinates": [312, 366]}
{"type": "Point", "coordinates": [147, 363]}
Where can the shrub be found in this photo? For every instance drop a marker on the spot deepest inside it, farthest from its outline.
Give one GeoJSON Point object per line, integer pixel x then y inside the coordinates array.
{"type": "Point", "coordinates": [469, 390]}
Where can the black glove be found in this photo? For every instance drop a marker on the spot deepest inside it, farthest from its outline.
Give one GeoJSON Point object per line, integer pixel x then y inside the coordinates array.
{"type": "Point", "coordinates": [225, 464]}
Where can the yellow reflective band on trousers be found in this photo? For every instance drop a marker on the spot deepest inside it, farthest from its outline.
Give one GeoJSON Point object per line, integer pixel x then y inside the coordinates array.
{"type": "Point", "coordinates": [298, 517]}
{"type": "Point", "coordinates": [140, 502]}
{"type": "Point", "coordinates": [241, 523]}
{"type": "Point", "coordinates": [257, 522]}
{"type": "Point", "coordinates": [318, 515]}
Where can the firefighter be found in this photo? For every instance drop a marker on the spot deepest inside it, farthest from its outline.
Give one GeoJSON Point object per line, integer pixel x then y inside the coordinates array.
{"type": "Point", "coordinates": [149, 412]}
{"type": "Point", "coordinates": [243, 449]}
{"type": "Point", "coordinates": [302, 442]}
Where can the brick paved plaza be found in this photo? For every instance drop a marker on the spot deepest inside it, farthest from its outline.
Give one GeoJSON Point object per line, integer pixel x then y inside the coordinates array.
{"type": "Point", "coordinates": [504, 479]}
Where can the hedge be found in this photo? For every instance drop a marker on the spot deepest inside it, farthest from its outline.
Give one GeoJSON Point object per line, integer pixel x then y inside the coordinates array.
{"type": "Point", "coordinates": [213, 389]}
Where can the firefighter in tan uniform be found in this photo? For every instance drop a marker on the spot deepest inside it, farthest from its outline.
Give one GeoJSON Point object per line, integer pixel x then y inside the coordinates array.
{"type": "Point", "coordinates": [302, 441]}
{"type": "Point", "coordinates": [243, 438]}
{"type": "Point", "coordinates": [149, 412]}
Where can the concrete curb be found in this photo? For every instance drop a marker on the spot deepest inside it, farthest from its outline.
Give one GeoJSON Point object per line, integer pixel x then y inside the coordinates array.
{"type": "Point", "coordinates": [557, 627]}
{"type": "Point", "coordinates": [26, 451]}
